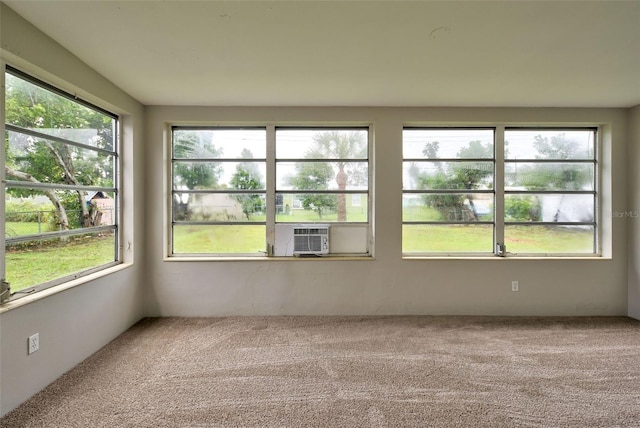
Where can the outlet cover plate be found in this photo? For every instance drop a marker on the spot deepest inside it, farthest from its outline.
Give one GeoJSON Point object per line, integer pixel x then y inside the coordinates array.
{"type": "Point", "coordinates": [34, 343]}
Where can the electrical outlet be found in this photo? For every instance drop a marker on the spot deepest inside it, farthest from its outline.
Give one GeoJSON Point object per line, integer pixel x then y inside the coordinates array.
{"type": "Point", "coordinates": [34, 343]}
{"type": "Point", "coordinates": [515, 286]}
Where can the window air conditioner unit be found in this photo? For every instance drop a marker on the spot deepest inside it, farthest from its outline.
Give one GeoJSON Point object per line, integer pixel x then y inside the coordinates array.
{"type": "Point", "coordinates": [312, 239]}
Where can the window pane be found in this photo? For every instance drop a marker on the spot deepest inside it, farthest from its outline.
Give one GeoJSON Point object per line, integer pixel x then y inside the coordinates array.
{"type": "Point", "coordinates": [197, 175]}
{"type": "Point", "coordinates": [219, 239]}
{"type": "Point", "coordinates": [242, 166]}
{"type": "Point", "coordinates": [447, 207]}
{"type": "Point", "coordinates": [549, 144]}
{"type": "Point", "coordinates": [224, 207]}
{"type": "Point", "coordinates": [321, 143]}
{"type": "Point", "coordinates": [55, 160]}
{"type": "Point", "coordinates": [36, 262]}
{"type": "Point", "coordinates": [447, 175]}
{"type": "Point", "coordinates": [321, 207]}
{"type": "Point", "coordinates": [437, 163]}
{"type": "Point", "coordinates": [219, 143]}
{"type": "Point", "coordinates": [447, 143]}
{"type": "Point", "coordinates": [531, 239]}
{"type": "Point", "coordinates": [29, 212]}
{"type": "Point", "coordinates": [35, 108]}
{"type": "Point", "coordinates": [549, 207]}
{"type": "Point", "coordinates": [549, 176]}
{"type": "Point", "coordinates": [424, 238]}
{"type": "Point", "coordinates": [322, 175]}
{"type": "Point", "coordinates": [219, 175]}
{"type": "Point", "coordinates": [51, 162]}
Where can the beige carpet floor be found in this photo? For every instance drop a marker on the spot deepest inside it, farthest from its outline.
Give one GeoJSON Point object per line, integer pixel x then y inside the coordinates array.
{"type": "Point", "coordinates": [352, 372]}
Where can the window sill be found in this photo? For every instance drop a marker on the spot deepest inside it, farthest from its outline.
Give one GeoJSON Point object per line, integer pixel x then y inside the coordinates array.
{"type": "Point", "coordinates": [39, 295]}
{"type": "Point", "coordinates": [334, 258]}
{"type": "Point", "coordinates": [439, 258]}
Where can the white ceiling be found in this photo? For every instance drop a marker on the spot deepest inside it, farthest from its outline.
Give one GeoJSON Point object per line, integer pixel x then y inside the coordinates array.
{"type": "Point", "coordinates": [355, 53]}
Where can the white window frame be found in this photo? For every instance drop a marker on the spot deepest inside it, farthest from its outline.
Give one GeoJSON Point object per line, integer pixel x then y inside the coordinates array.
{"type": "Point", "coordinates": [115, 190]}
{"type": "Point", "coordinates": [492, 160]}
{"type": "Point", "coordinates": [595, 192]}
{"type": "Point", "coordinates": [500, 249]}
{"type": "Point", "coordinates": [340, 228]}
{"type": "Point", "coordinates": [176, 193]}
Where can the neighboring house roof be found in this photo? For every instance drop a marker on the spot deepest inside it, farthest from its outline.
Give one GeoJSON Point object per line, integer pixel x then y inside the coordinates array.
{"type": "Point", "coordinates": [96, 195]}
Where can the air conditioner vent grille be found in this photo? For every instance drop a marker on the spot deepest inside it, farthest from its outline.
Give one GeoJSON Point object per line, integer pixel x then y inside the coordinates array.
{"type": "Point", "coordinates": [311, 239]}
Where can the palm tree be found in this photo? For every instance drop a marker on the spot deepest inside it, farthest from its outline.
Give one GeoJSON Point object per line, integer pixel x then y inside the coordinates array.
{"type": "Point", "coordinates": [340, 147]}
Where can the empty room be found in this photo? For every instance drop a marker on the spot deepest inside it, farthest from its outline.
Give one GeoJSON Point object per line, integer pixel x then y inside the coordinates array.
{"type": "Point", "coordinates": [320, 213]}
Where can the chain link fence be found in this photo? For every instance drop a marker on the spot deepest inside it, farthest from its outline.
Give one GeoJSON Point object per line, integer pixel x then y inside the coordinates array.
{"type": "Point", "coordinates": [21, 223]}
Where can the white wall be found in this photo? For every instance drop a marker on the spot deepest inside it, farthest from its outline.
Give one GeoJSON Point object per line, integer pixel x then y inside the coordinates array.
{"type": "Point", "coordinates": [633, 218]}
{"type": "Point", "coordinates": [74, 323]}
{"type": "Point", "coordinates": [388, 284]}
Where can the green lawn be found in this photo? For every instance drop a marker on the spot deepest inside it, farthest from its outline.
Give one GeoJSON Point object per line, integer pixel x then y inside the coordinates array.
{"type": "Point", "coordinates": [479, 238]}
{"type": "Point", "coordinates": [528, 239]}
{"type": "Point", "coordinates": [415, 239]}
{"type": "Point", "coordinates": [219, 239]}
{"type": "Point", "coordinates": [29, 266]}
{"type": "Point", "coordinates": [549, 239]}
{"type": "Point", "coordinates": [447, 238]}
{"type": "Point", "coordinates": [420, 213]}
{"type": "Point", "coordinates": [247, 239]}
{"type": "Point", "coordinates": [442, 238]}
{"type": "Point", "coordinates": [19, 228]}
{"type": "Point", "coordinates": [354, 214]}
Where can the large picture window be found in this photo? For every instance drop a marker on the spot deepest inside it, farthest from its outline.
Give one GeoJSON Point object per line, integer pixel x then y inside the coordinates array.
{"type": "Point", "coordinates": [219, 190]}
{"type": "Point", "coordinates": [550, 197]}
{"type": "Point", "coordinates": [61, 185]}
{"type": "Point", "coordinates": [448, 190]}
{"type": "Point", "coordinates": [545, 202]}
{"type": "Point", "coordinates": [240, 191]}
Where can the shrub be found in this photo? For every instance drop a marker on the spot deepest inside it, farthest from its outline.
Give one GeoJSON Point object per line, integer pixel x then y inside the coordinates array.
{"type": "Point", "coordinates": [28, 211]}
{"type": "Point", "coordinates": [524, 208]}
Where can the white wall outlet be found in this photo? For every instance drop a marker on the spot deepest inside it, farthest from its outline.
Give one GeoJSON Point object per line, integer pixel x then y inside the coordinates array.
{"type": "Point", "coordinates": [34, 343]}
{"type": "Point", "coordinates": [515, 286]}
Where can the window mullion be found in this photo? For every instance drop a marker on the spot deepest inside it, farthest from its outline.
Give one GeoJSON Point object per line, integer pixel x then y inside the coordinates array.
{"type": "Point", "coordinates": [271, 189]}
{"type": "Point", "coordinates": [597, 183]}
{"type": "Point", "coordinates": [117, 167]}
{"type": "Point", "coordinates": [43, 136]}
{"type": "Point", "coordinates": [2, 176]}
{"type": "Point", "coordinates": [56, 186]}
{"type": "Point", "coordinates": [499, 188]}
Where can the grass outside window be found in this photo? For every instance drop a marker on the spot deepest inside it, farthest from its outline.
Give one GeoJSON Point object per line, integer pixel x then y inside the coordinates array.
{"type": "Point", "coordinates": [39, 261]}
